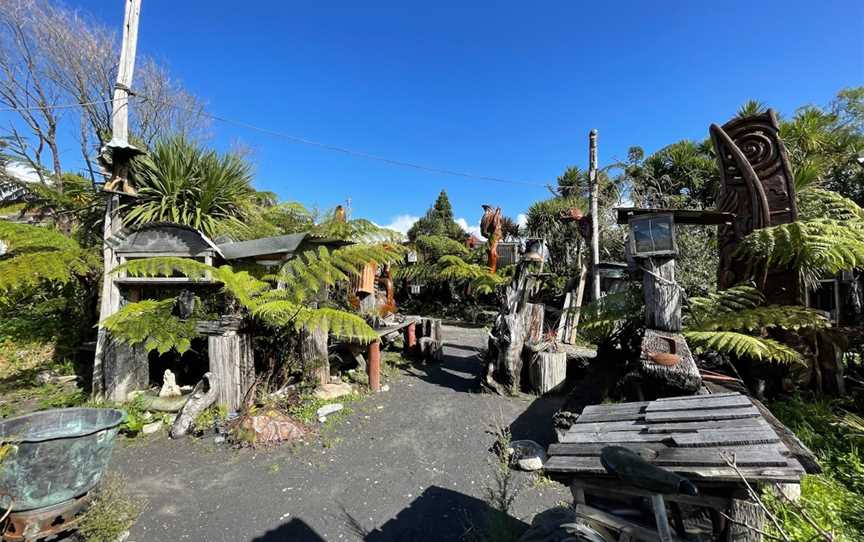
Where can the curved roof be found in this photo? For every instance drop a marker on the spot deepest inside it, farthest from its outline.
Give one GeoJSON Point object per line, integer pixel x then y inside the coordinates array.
{"type": "Point", "coordinates": [164, 238]}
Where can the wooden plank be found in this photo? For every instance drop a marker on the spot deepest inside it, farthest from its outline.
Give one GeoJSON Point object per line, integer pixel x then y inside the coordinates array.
{"type": "Point", "coordinates": [702, 415]}
{"type": "Point", "coordinates": [574, 464]}
{"type": "Point", "coordinates": [608, 417]}
{"type": "Point", "coordinates": [706, 402]}
{"type": "Point", "coordinates": [592, 467]}
{"type": "Point", "coordinates": [707, 457]}
{"type": "Point", "coordinates": [645, 449]}
{"type": "Point", "coordinates": [620, 492]}
{"type": "Point", "coordinates": [725, 437]}
{"type": "Point", "coordinates": [616, 408]}
{"type": "Point", "coordinates": [695, 397]}
{"type": "Point", "coordinates": [689, 427]}
{"type": "Point", "coordinates": [626, 425]}
{"type": "Point", "coordinates": [614, 437]}
{"type": "Point", "coordinates": [616, 523]}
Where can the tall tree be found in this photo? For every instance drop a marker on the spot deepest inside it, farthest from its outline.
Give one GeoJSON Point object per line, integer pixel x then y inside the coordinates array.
{"type": "Point", "coordinates": [439, 221]}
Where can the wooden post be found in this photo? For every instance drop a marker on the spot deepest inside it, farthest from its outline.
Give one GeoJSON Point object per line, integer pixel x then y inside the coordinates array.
{"type": "Point", "coordinates": [314, 351]}
{"type": "Point", "coordinates": [595, 231]}
{"type": "Point", "coordinates": [744, 514]}
{"type": "Point", "coordinates": [662, 294]}
{"type": "Point", "coordinates": [661, 518]}
{"type": "Point", "coordinates": [548, 370]}
{"type": "Point", "coordinates": [374, 367]}
{"type": "Point", "coordinates": [410, 345]}
{"type": "Point", "coordinates": [110, 302]}
{"type": "Point", "coordinates": [232, 366]}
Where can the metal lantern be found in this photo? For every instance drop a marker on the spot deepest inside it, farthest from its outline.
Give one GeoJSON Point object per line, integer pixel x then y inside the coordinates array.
{"type": "Point", "coordinates": [533, 251]}
{"type": "Point", "coordinates": [652, 235]}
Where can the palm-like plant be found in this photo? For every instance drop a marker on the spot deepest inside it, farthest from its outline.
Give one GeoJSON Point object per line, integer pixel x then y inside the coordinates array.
{"type": "Point", "coordinates": [179, 181]}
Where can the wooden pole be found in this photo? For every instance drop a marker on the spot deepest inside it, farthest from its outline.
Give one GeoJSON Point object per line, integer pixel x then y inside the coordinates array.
{"type": "Point", "coordinates": [375, 365]}
{"type": "Point", "coordinates": [410, 340]}
{"type": "Point", "coordinates": [595, 232]}
{"type": "Point", "coordinates": [110, 302]}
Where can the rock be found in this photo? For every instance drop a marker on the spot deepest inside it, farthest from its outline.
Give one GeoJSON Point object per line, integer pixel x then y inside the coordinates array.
{"type": "Point", "coordinates": [526, 455]}
{"type": "Point", "coordinates": [269, 426]}
{"type": "Point", "coordinates": [50, 377]}
{"type": "Point", "coordinates": [328, 392]}
{"type": "Point", "coordinates": [219, 439]}
{"type": "Point", "coordinates": [150, 428]}
{"type": "Point", "coordinates": [385, 387]}
{"type": "Point", "coordinates": [326, 410]}
{"type": "Point", "coordinates": [169, 385]}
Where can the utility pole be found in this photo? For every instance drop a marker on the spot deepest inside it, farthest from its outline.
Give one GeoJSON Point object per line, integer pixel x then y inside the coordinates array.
{"type": "Point", "coordinates": [121, 152]}
{"type": "Point", "coordinates": [595, 231]}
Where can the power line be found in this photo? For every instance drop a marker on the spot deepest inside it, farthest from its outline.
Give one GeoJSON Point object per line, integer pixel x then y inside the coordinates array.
{"type": "Point", "coordinates": [55, 106]}
{"type": "Point", "coordinates": [353, 152]}
{"type": "Point", "coordinates": [300, 141]}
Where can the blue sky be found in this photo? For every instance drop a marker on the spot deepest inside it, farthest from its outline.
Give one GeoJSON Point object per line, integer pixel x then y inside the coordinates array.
{"type": "Point", "coordinates": [506, 89]}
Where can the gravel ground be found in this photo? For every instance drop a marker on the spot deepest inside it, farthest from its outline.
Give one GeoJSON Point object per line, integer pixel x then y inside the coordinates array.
{"type": "Point", "coordinates": [409, 464]}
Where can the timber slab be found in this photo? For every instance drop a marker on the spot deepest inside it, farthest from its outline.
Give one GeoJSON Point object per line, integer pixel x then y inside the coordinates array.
{"type": "Point", "coordinates": [689, 435]}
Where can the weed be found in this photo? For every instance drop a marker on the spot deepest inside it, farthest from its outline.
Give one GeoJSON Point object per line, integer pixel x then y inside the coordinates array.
{"type": "Point", "coordinates": [499, 523]}
{"type": "Point", "coordinates": [112, 513]}
{"type": "Point", "coordinates": [541, 481]}
{"type": "Point", "coordinates": [209, 418]}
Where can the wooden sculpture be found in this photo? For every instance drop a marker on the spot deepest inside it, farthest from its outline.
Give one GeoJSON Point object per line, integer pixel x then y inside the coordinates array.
{"type": "Point", "coordinates": [756, 184]}
{"type": "Point", "coordinates": [490, 227]}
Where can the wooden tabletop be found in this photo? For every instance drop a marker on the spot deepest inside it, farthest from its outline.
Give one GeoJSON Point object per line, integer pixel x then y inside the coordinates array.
{"type": "Point", "coordinates": [688, 435]}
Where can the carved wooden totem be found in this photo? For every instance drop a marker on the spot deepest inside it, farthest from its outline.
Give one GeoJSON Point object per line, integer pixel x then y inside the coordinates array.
{"type": "Point", "coordinates": [490, 227]}
{"type": "Point", "coordinates": [757, 185]}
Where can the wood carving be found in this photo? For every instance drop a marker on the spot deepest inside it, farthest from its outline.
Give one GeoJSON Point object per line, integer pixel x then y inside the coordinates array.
{"type": "Point", "coordinates": [490, 227]}
{"type": "Point", "coordinates": [756, 184]}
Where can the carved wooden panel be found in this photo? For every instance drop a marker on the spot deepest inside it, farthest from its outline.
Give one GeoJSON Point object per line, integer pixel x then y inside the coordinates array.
{"type": "Point", "coordinates": [756, 184]}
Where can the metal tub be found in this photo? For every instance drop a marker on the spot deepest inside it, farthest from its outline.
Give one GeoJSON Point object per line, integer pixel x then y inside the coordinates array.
{"type": "Point", "coordinates": [55, 455]}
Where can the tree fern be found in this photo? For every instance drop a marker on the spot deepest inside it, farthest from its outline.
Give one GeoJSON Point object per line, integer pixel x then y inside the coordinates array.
{"type": "Point", "coordinates": [773, 316]}
{"type": "Point", "coordinates": [733, 299]}
{"type": "Point", "coordinates": [742, 345]}
{"type": "Point", "coordinates": [454, 268]}
{"type": "Point", "coordinates": [35, 255]}
{"type": "Point", "coordinates": [815, 203]}
{"type": "Point", "coordinates": [814, 247]}
{"type": "Point", "coordinates": [153, 324]}
{"type": "Point", "coordinates": [356, 231]}
{"type": "Point", "coordinates": [602, 321]}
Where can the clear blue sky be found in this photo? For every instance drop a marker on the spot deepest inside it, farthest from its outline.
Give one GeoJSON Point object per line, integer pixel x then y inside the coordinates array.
{"type": "Point", "coordinates": [506, 89]}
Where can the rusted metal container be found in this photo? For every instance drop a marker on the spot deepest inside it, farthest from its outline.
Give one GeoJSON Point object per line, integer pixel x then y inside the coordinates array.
{"type": "Point", "coordinates": [55, 455]}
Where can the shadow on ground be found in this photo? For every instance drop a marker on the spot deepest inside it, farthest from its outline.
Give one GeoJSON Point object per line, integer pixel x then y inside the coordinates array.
{"type": "Point", "coordinates": [438, 514]}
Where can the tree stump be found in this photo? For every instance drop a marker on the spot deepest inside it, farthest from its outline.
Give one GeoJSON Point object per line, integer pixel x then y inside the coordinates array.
{"type": "Point", "coordinates": [233, 367]}
{"type": "Point", "coordinates": [315, 354]}
{"type": "Point", "coordinates": [548, 370]}
{"type": "Point", "coordinates": [199, 401]}
{"type": "Point", "coordinates": [744, 514]}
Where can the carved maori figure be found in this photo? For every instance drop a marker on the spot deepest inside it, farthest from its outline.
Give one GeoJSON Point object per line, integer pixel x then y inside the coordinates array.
{"type": "Point", "coordinates": [490, 227]}
{"type": "Point", "coordinates": [756, 184]}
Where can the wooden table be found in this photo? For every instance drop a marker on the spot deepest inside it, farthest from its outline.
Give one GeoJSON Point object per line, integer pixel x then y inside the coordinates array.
{"type": "Point", "coordinates": [689, 435]}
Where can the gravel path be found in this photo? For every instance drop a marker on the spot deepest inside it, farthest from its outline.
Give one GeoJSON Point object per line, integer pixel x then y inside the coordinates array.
{"type": "Point", "coordinates": [410, 464]}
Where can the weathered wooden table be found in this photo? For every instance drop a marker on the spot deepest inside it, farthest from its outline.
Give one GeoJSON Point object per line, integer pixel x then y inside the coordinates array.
{"type": "Point", "coordinates": [693, 436]}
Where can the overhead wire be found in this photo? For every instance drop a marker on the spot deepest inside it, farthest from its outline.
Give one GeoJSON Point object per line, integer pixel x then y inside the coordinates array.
{"type": "Point", "coordinates": [301, 141]}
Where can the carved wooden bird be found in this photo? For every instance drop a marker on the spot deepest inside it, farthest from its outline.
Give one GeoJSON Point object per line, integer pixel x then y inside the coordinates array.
{"type": "Point", "coordinates": [490, 223]}
{"type": "Point", "coordinates": [339, 214]}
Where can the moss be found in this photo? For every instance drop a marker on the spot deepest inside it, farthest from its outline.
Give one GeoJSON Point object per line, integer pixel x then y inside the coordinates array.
{"type": "Point", "coordinates": [112, 513]}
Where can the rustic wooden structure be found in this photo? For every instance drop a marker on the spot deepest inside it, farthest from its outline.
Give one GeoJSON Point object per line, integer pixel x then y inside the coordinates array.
{"type": "Point", "coordinates": [694, 436]}
{"type": "Point", "coordinates": [548, 370]}
{"type": "Point", "coordinates": [409, 327]}
{"type": "Point", "coordinates": [758, 187]}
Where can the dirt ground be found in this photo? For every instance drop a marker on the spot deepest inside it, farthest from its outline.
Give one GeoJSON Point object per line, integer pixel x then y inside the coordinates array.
{"type": "Point", "coordinates": [409, 464]}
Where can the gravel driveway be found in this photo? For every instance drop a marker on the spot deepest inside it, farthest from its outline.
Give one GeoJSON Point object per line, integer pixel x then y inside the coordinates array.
{"type": "Point", "coordinates": [409, 464]}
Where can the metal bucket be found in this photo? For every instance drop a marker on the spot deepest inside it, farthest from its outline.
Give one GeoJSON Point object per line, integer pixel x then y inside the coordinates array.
{"type": "Point", "coordinates": [56, 455]}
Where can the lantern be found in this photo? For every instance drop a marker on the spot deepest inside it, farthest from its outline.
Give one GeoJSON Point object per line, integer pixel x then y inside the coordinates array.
{"type": "Point", "coordinates": [652, 235]}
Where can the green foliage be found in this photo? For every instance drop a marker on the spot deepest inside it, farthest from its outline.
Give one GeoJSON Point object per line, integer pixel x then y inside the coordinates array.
{"type": "Point", "coordinates": [153, 324]}
{"type": "Point", "coordinates": [481, 280]}
{"type": "Point", "coordinates": [814, 247]}
{"type": "Point", "coordinates": [606, 320]}
{"type": "Point", "coordinates": [179, 181]}
{"type": "Point", "coordinates": [742, 345]}
{"type": "Point", "coordinates": [563, 240]}
{"type": "Point", "coordinates": [434, 246]}
{"type": "Point", "coordinates": [209, 417]}
{"type": "Point", "coordinates": [112, 513]}
{"type": "Point", "coordinates": [814, 203]}
{"type": "Point", "coordinates": [439, 221]}
{"type": "Point", "coordinates": [358, 230]}
{"type": "Point", "coordinates": [835, 498]}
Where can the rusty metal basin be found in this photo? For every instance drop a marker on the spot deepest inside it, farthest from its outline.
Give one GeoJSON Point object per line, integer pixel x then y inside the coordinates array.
{"type": "Point", "coordinates": [55, 455]}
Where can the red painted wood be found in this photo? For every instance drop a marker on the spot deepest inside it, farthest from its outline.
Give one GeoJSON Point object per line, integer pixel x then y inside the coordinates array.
{"type": "Point", "coordinates": [375, 365]}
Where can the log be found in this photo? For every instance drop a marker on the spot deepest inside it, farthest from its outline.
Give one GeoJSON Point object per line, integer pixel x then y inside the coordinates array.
{"type": "Point", "coordinates": [430, 349]}
{"type": "Point", "coordinates": [125, 370]}
{"type": "Point", "coordinates": [662, 294]}
{"type": "Point", "coordinates": [233, 368]}
{"type": "Point", "coordinates": [548, 371]}
{"type": "Point", "coordinates": [534, 313]}
{"type": "Point", "coordinates": [746, 516]}
{"type": "Point", "coordinates": [199, 401]}
{"type": "Point", "coordinates": [313, 348]}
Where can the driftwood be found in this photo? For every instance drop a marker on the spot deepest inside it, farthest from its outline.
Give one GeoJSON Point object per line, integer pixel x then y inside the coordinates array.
{"type": "Point", "coordinates": [199, 401]}
{"type": "Point", "coordinates": [430, 339]}
{"type": "Point", "coordinates": [662, 294]}
{"type": "Point", "coordinates": [518, 323]}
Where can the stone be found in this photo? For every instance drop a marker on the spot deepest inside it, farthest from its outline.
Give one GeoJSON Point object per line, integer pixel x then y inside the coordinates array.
{"type": "Point", "coordinates": [326, 410]}
{"type": "Point", "coordinates": [268, 426]}
{"type": "Point", "coordinates": [526, 455]}
{"type": "Point", "coordinates": [328, 392]}
{"type": "Point", "coordinates": [219, 439]}
{"type": "Point", "coordinates": [153, 427]}
{"type": "Point", "coordinates": [385, 387]}
{"type": "Point", "coordinates": [169, 385]}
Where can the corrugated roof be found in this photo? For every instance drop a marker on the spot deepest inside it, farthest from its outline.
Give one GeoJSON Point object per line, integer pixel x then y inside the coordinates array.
{"type": "Point", "coordinates": [281, 244]}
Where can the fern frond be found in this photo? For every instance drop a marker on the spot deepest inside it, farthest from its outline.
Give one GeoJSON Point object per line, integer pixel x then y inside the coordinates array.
{"type": "Point", "coordinates": [454, 268]}
{"type": "Point", "coordinates": [19, 237]}
{"type": "Point", "coordinates": [153, 324]}
{"type": "Point", "coordinates": [789, 317]}
{"type": "Point", "coordinates": [165, 266]}
{"type": "Point", "coordinates": [814, 247]}
{"type": "Point", "coordinates": [435, 246]}
{"type": "Point", "coordinates": [36, 254]}
{"type": "Point", "coordinates": [737, 298]}
{"type": "Point", "coordinates": [341, 324]}
{"type": "Point", "coordinates": [356, 231]}
{"type": "Point", "coordinates": [600, 321]}
{"type": "Point", "coordinates": [742, 345]}
{"type": "Point", "coordinates": [815, 203]}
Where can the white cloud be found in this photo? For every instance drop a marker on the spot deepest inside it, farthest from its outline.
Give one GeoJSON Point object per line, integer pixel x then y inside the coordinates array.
{"type": "Point", "coordinates": [22, 172]}
{"type": "Point", "coordinates": [475, 229]}
{"type": "Point", "coordinates": [402, 223]}
{"type": "Point", "coordinates": [522, 220]}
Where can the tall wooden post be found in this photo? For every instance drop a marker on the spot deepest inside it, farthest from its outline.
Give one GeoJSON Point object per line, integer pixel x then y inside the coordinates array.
{"type": "Point", "coordinates": [375, 365]}
{"type": "Point", "coordinates": [110, 302]}
{"type": "Point", "coordinates": [595, 232]}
